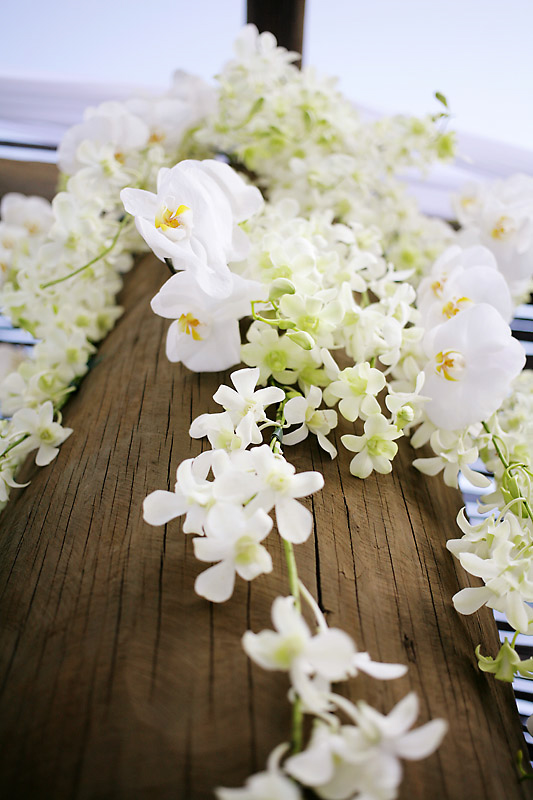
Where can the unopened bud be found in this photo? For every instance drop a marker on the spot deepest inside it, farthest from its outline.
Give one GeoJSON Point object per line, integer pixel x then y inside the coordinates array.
{"type": "Point", "coordinates": [302, 339]}
{"type": "Point", "coordinates": [279, 287]}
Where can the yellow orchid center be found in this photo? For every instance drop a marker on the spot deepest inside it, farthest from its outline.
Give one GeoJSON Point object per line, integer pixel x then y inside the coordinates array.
{"type": "Point", "coordinates": [438, 286]}
{"type": "Point", "coordinates": [453, 307]}
{"type": "Point", "coordinates": [450, 364]}
{"type": "Point", "coordinates": [168, 218]}
{"type": "Point", "coordinates": [188, 324]}
{"type": "Point", "coordinates": [502, 228]}
{"type": "Point", "coordinates": [156, 137]}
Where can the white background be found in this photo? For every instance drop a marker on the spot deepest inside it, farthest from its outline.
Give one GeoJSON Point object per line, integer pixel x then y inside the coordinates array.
{"type": "Point", "coordinates": [391, 55]}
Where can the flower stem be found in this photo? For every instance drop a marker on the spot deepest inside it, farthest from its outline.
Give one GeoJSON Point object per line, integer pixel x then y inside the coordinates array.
{"type": "Point", "coordinates": [14, 444]}
{"type": "Point", "coordinates": [125, 219]}
{"type": "Point", "coordinates": [506, 466]}
{"type": "Point", "coordinates": [294, 586]}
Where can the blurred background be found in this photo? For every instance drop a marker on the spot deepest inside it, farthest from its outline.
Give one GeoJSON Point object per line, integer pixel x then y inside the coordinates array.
{"type": "Point", "coordinates": [57, 57]}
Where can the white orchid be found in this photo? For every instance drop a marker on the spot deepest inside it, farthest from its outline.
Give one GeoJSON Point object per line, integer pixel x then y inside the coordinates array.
{"type": "Point", "coordinates": [271, 784]}
{"type": "Point", "coordinates": [108, 133]}
{"type": "Point", "coordinates": [500, 217]}
{"type": "Point", "coordinates": [279, 487]}
{"type": "Point", "coordinates": [192, 220]}
{"type": "Point", "coordinates": [221, 431]}
{"type": "Point", "coordinates": [192, 496]}
{"type": "Point", "coordinates": [472, 360]}
{"type": "Point", "coordinates": [276, 355]}
{"type": "Point", "coordinates": [31, 214]}
{"type": "Point", "coordinates": [473, 279]}
{"type": "Point", "coordinates": [205, 335]}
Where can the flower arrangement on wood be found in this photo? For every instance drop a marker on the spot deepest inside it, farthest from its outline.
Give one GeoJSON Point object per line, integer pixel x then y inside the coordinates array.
{"type": "Point", "coordinates": [270, 200]}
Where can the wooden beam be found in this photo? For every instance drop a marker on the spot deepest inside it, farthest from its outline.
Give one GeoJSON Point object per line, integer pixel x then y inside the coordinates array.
{"type": "Point", "coordinates": [118, 682]}
{"type": "Point", "coordinates": [283, 18]}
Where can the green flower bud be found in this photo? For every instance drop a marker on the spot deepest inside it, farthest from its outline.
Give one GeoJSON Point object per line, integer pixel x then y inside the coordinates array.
{"type": "Point", "coordinates": [280, 287]}
{"type": "Point", "coordinates": [302, 339]}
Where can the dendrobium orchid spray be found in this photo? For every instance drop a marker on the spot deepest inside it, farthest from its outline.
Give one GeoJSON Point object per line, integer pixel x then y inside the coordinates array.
{"type": "Point", "coordinates": [271, 200]}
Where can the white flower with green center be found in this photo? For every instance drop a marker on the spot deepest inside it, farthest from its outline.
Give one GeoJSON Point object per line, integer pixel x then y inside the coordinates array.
{"type": "Point", "coordinates": [233, 539]}
{"type": "Point", "coordinates": [110, 127]}
{"type": "Point", "coordinates": [363, 760]}
{"type": "Point", "coordinates": [305, 410]}
{"type": "Point", "coordinates": [276, 355]}
{"type": "Point", "coordinates": [473, 359]}
{"type": "Point", "coordinates": [312, 661]}
{"type": "Point", "coordinates": [291, 648]}
{"type": "Point", "coordinates": [32, 214]}
{"type": "Point", "coordinates": [221, 431]}
{"type": "Point", "coordinates": [356, 388]}
{"type": "Point", "coordinates": [456, 452]}
{"type": "Point", "coordinates": [245, 403]}
{"type": "Point", "coordinates": [375, 449]}
{"type": "Point", "coordinates": [406, 407]}
{"type": "Point", "coordinates": [279, 487]}
{"type": "Point", "coordinates": [317, 316]}
{"type": "Point", "coordinates": [45, 435]}
{"type": "Point", "coordinates": [507, 572]}
{"type": "Point", "coordinates": [192, 496]}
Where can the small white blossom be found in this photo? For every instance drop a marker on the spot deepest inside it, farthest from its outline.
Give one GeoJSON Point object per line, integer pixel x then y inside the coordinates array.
{"type": "Point", "coordinates": [232, 539]}
{"type": "Point", "coordinates": [375, 449]}
{"type": "Point", "coordinates": [45, 435]}
{"type": "Point", "coordinates": [304, 410]}
{"type": "Point", "coordinates": [363, 760]}
{"type": "Point", "coordinates": [245, 403]}
{"type": "Point", "coordinates": [356, 387]}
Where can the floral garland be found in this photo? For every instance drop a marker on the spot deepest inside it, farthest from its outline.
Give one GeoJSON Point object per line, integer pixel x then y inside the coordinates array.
{"type": "Point", "coordinates": [331, 256]}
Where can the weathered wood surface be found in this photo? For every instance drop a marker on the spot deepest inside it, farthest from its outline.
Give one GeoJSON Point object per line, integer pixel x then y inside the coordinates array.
{"type": "Point", "coordinates": [119, 683]}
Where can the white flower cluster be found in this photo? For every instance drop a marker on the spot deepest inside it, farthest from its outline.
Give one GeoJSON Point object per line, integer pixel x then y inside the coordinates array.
{"type": "Point", "coordinates": [61, 263]}
{"type": "Point", "coordinates": [358, 301]}
{"type": "Point", "coordinates": [480, 406]}
{"type": "Point", "coordinates": [226, 495]}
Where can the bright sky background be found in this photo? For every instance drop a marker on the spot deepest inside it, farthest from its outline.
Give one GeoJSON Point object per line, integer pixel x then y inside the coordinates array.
{"type": "Point", "coordinates": [391, 55]}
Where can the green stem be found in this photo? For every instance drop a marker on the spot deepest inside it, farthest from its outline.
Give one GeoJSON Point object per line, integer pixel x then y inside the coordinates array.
{"type": "Point", "coordinates": [294, 586]}
{"type": "Point", "coordinates": [125, 219]}
{"type": "Point", "coordinates": [513, 641]}
{"type": "Point", "coordinates": [506, 466]}
{"type": "Point", "coordinates": [14, 444]}
{"type": "Point", "coordinates": [522, 774]}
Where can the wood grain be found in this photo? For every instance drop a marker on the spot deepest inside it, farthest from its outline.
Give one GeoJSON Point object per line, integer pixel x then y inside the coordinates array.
{"type": "Point", "coordinates": [119, 683]}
